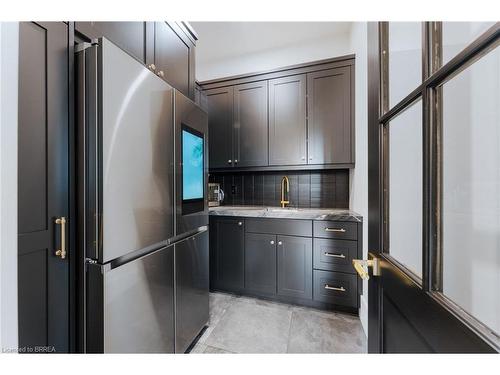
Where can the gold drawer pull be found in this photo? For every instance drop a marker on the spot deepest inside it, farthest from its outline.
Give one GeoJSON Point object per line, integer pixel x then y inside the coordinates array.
{"type": "Point", "coordinates": [335, 255]}
{"type": "Point", "coordinates": [62, 251]}
{"type": "Point", "coordinates": [341, 230]}
{"type": "Point", "coordinates": [341, 289]}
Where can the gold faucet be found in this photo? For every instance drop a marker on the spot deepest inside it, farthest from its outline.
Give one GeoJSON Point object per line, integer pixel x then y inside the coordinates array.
{"type": "Point", "coordinates": [284, 181]}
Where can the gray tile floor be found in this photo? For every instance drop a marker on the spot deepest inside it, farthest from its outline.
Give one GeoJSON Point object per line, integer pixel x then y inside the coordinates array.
{"type": "Point", "coordinates": [249, 325]}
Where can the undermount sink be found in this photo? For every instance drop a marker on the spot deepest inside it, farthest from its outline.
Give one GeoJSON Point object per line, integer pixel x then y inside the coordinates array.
{"type": "Point", "coordinates": [285, 209]}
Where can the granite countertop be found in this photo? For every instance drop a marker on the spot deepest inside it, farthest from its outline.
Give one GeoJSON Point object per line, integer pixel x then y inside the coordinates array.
{"type": "Point", "coordinates": [336, 214]}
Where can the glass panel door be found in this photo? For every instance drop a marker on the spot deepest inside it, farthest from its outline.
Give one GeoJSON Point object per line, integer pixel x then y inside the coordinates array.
{"type": "Point", "coordinates": [405, 59]}
{"type": "Point", "coordinates": [458, 35]}
{"type": "Point", "coordinates": [405, 188]}
{"type": "Point", "coordinates": [471, 190]}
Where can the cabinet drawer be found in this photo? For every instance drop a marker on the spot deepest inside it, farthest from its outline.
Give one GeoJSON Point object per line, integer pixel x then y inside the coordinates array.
{"type": "Point", "coordinates": [289, 227]}
{"type": "Point", "coordinates": [335, 288]}
{"type": "Point", "coordinates": [334, 255]}
{"type": "Point", "coordinates": [336, 229]}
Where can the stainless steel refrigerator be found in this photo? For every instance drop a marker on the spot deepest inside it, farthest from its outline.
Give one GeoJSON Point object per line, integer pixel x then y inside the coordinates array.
{"type": "Point", "coordinates": [142, 207]}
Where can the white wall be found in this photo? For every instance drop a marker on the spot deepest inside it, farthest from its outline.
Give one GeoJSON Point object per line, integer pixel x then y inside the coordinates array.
{"type": "Point", "coordinates": [278, 48]}
{"type": "Point", "coordinates": [9, 36]}
{"type": "Point", "coordinates": [359, 175]}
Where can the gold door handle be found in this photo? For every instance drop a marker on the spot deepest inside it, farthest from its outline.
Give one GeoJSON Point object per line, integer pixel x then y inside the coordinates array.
{"type": "Point", "coordinates": [341, 230]}
{"type": "Point", "coordinates": [341, 289]}
{"type": "Point", "coordinates": [62, 251]}
{"type": "Point", "coordinates": [335, 255]}
{"type": "Point", "coordinates": [361, 267]}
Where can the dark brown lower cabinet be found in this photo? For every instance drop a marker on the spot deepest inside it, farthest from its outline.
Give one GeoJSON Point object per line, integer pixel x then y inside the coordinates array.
{"type": "Point", "coordinates": [295, 267]}
{"type": "Point", "coordinates": [336, 288]}
{"type": "Point", "coordinates": [280, 259]}
{"type": "Point", "coordinates": [260, 263]}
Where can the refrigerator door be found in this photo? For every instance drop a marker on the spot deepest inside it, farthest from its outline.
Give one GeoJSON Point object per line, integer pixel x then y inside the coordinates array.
{"type": "Point", "coordinates": [130, 308]}
{"type": "Point", "coordinates": [191, 265]}
{"type": "Point", "coordinates": [134, 150]}
{"type": "Point", "coordinates": [189, 215]}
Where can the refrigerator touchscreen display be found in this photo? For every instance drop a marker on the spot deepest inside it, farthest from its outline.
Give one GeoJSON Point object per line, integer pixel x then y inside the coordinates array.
{"type": "Point", "coordinates": [192, 165]}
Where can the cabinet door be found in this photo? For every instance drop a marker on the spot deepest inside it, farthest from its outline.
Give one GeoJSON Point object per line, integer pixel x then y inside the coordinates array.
{"type": "Point", "coordinates": [227, 254]}
{"type": "Point", "coordinates": [172, 57]}
{"type": "Point", "coordinates": [295, 266]}
{"type": "Point", "coordinates": [250, 125]}
{"type": "Point", "coordinates": [220, 127]}
{"type": "Point", "coordinates": [287, 120]}
{"type": "Point", "coordinates": [130, 36]}
{"type": "Point", "coordinates": [260, 263]}
{"type": "Point", "coordinates": [200, 98]}
{"type": "Point", "coordinates": [329, 116]}
{"type": "Point", "coordinates": [43, 289]}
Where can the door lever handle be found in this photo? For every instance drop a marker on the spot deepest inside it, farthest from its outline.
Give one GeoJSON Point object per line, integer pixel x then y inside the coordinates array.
{"type": "Point", "coordinates": [62, 251]}
{"type": "Point", "coordinates": [361, 267]}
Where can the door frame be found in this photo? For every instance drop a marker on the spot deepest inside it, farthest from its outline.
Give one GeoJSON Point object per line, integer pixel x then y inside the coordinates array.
{"type": "Point", "coordinates": [427, 292]}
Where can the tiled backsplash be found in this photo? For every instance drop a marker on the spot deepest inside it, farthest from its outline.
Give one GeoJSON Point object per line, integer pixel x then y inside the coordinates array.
{"type": "Point", "coordinates": [308, 189]}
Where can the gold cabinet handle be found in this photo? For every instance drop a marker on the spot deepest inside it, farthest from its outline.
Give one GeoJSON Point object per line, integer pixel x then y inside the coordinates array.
{"type": "Point", "coordinates": [341, 289]}
{"type": "Point", "coordinates": [341, 230]}
{"type": "Point", "coordinates": [334, 255]}
{"type": "Point", "coordinates": [62, 251]}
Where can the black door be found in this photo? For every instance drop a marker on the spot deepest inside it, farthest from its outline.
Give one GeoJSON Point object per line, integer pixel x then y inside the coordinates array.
{"type": "Point", "coordinates": [43, 174]}
{"type": "Point", "coordinates": [329, 116]}
{"type": "Point", "coordinates": [250, 125]}
{"type": "Point", "coordinates": [287, 120]}
{"type": "Point", "coordinates": [295, 266]}
{"type": "Point", "coordinates": [423, 297]}
{"type": "Point", "coordinates": [260, 263]}
{"type": "Point", "coordinates": [220, 127]}
{"type": "Point", "coordinates": [227, 254]}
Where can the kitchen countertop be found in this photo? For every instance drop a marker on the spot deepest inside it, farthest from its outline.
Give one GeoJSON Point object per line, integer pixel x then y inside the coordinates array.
{"type": "Point", "coordinates": [335, 214]}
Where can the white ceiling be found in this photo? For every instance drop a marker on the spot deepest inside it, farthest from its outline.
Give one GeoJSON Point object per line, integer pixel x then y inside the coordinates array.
{"type": "Point", "coordinates": [226, 40]}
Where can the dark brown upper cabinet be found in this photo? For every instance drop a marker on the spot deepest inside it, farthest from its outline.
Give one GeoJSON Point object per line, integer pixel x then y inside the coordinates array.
{"type": "Point", "coordinates": [220, 127]}
{"type": "Point", "coordinates": [172, 57]}
{"type": "Point", "coordinates": [200, 97]}
{"type": "Point", "coordinates": [329, 117]}
{"type": "Point", "coordinates": [130, 36]}
{"type": "Point", "coordinates": [287, 120]}
{"type": "Point", "coordinates": [165, 47]}
{"type": "Point", "coordinates": [250, 125]}
{"type": "Point", "coordinates": [292, 118]}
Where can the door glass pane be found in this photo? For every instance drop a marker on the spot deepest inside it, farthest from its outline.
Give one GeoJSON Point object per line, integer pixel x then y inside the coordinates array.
{"type": "Point", "coordinates": [458, 35]}
{"type": "Point", "coordinates": [405, 59]}
{"type": "Point", "coordinates": [471, 190]}
{"type": "Point", "coordinates": [405, 188]}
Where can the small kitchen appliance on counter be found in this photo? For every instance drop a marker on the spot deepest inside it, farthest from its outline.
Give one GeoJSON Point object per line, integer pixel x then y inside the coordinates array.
{"type": "Point", "coordinates": [215, 194]}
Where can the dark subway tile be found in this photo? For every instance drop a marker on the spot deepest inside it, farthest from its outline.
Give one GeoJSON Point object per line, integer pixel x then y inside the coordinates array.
{"type": "Point", "coordinates": [248, 195]}
{"type": "Point", "coordinates": [315, 189]}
